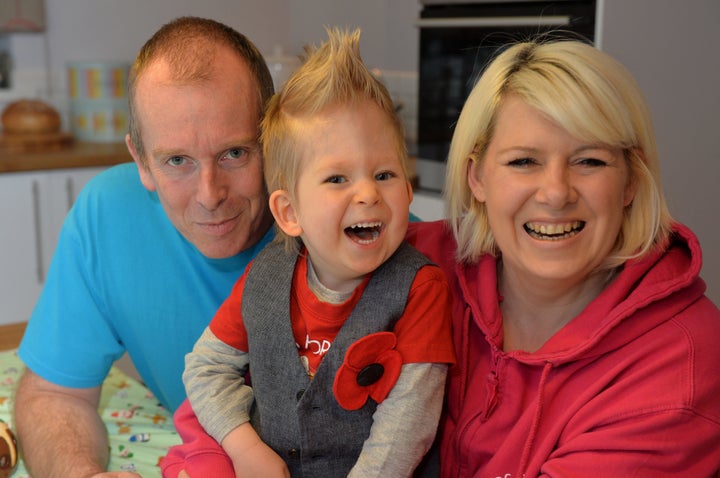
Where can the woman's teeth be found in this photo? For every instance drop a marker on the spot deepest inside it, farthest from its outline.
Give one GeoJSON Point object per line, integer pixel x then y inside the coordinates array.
{"type": "Point", "coordinates": [553, 232]}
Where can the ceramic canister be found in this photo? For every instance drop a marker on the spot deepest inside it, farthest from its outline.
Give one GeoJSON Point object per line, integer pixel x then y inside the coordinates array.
{"type": "Point", "coordinates": [98, 100]}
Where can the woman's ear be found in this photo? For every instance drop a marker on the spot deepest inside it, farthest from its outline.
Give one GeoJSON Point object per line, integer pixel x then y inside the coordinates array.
{"type": "Point", "coordinates": [633, 182]}
{"type": "Point", "coordinates": [284, 213]}
{"type": "Point", "coordinates": [475, 179]}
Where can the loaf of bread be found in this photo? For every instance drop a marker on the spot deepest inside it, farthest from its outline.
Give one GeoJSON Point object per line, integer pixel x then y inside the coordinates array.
{"type": "Point", "coordinates": [30, 116]}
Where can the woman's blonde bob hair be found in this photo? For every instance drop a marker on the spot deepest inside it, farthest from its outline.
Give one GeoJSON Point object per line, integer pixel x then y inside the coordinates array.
{"type": "Point", "coordinates": [587, 93]}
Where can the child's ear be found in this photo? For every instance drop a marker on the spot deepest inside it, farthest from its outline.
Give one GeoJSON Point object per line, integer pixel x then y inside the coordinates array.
{"type": "Point", "coordinates": [284, 213]}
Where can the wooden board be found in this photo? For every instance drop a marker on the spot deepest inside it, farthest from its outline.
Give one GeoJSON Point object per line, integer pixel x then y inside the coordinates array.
{"type": "Point", "coordinates": [27, 143]}
{"type": "Point", "coordinates": [11, 334]}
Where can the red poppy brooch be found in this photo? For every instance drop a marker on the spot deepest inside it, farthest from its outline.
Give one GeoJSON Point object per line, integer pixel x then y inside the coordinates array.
{"type": "Point", "coordinates": [370, 370]}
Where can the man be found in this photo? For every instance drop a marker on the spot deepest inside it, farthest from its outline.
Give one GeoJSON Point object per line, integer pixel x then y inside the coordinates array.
{"type": "Point", "coordinates": [150, 250]}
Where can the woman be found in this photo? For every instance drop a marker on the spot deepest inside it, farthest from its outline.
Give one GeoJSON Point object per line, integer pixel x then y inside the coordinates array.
{"type": "Point", "coordinates": [585, 344]}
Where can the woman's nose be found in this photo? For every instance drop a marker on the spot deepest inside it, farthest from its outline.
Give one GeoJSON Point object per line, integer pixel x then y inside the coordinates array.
{"type": "Point", "coordinates": [556, 188]}
{"type": "Point", "coordinates": [211, 190]}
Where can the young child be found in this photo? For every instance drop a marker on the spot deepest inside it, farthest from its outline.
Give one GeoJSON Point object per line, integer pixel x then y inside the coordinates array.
{"type": "Point", "coordinates": [343, 326]}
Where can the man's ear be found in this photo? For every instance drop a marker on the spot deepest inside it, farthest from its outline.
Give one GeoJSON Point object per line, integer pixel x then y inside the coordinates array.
{"type": "Point", "coordinates": [284, 213]}
{"type": "Point", "coordinates": [146, 178]}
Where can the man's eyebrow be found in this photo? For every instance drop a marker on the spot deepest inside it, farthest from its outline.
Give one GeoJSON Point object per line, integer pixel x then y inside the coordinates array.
{"type": "Point", "coordinates": [166, 152]}
{"type": "Point", "coordinates": [160, 155]}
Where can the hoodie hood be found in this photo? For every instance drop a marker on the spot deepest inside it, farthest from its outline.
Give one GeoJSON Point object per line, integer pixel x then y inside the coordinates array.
{"type": "Point", "coordinates": [667, 279]}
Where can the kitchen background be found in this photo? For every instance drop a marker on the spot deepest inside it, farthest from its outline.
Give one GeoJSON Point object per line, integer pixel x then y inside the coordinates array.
{"type": "Point", "coordinates": [671, 46]}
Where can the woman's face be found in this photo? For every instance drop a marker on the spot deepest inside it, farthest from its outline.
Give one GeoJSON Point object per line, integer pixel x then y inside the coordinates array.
{"type": "Point", "coordinates": [555, 204]}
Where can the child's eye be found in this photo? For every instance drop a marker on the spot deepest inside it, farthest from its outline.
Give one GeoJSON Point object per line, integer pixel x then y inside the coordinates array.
{"type": "Point", "coordinates": [335, 179]}
{"type": "Point", "coordinates": [385, 175]}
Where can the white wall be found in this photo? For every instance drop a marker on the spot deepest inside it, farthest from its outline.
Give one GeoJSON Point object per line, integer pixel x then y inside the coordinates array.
{"type": "Point", "coordinates": [389, 39]}
{"type": "Point", "coordinates": [673, 50]}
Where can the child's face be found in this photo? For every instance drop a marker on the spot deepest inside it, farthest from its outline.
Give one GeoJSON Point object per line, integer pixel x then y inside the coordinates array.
{"type": "Point", "coordinates": [352, 198]}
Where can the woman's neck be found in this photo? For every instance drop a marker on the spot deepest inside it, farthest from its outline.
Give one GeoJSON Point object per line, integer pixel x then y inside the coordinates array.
{"type": "Point", "coordinates": [534, 310]}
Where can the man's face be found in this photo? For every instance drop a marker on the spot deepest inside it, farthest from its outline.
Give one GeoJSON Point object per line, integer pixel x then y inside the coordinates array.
{"type": "Point", "coordinates": [202, 156]}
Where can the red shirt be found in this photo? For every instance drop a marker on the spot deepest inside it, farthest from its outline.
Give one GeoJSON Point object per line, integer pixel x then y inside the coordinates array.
{"type": "Point", "coordinates": [423, 331]}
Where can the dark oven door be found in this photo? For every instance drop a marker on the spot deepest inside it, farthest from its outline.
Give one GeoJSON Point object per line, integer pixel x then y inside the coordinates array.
{"type": "Point", "coordinates": [456, 42]}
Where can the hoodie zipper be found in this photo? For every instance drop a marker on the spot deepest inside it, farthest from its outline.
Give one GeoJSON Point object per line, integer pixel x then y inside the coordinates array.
{"type": "Point", "coordinates": [491, 402]}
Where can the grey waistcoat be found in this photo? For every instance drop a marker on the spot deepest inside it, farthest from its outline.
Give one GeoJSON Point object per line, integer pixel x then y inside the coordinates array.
{"type": "Point", "coordinates": [298, 417]}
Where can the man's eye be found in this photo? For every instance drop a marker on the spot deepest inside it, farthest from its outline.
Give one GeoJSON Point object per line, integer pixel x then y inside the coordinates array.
{"type": "Point", "coordinates": [236, 153]}
{"type": "Point", "coordinates": [176, 161]}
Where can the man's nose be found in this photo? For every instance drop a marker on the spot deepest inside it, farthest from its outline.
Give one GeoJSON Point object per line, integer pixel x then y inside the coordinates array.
{"type": "Point", "coordinates": [212, 189]}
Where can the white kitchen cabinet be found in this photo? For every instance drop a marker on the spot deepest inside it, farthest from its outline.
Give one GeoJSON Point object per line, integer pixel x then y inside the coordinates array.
{"type": "Point", "coordinates": [63, 187]}
{"type": "Point", "coordinates": [33, 206]}
{"type": "Point", "coordinates": [20, 245]}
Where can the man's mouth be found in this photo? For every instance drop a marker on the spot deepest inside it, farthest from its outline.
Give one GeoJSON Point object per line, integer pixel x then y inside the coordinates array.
{"type": "Point", "coordinates": [364, 232]}
{"type": "Point", "coordinates": [553, 232]}
{"type": "Point", "coordinates": [218, 227]}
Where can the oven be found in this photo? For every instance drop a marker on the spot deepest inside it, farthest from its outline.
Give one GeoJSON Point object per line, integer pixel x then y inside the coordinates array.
{"type": "Point", "coordinates": [457, 39]}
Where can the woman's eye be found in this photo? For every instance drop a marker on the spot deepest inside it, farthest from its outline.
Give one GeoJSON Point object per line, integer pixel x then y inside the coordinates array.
{"type": "Point", "coordinates": [521, 162]}
{"type": "Point", "coordinates": [594, 162]}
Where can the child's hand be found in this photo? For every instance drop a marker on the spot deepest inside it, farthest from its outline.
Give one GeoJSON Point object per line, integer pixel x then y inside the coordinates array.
{"type": "Point", "coordinates": [251, 457]}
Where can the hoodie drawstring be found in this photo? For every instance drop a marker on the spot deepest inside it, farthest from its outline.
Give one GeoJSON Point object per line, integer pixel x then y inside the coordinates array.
{"type": "Point", "coordinates": [536, 419]}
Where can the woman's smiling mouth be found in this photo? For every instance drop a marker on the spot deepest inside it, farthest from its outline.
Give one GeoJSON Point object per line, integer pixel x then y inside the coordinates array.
{"type": "Point", "coordinates": [553, 232]}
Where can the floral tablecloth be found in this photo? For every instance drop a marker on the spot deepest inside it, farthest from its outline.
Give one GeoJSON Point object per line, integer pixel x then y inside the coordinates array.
{"type": "Point", "coordinates": [140, 429]}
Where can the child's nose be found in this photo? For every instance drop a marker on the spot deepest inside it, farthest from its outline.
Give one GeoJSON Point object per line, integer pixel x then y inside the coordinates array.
{"type": "Point", "coordinates": [367, 192]}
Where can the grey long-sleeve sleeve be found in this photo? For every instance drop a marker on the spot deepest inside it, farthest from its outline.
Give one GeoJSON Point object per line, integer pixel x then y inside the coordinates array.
{"type": "Point", "coordinates": [404, 424]}
{"type": "Point", "coordinates": [215, 385]}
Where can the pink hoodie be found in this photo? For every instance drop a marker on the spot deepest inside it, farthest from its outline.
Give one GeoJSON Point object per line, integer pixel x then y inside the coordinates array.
{"type": "Point", "coordinates": [630, 387]}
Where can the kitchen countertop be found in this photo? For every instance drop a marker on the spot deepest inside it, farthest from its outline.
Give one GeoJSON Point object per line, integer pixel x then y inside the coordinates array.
{"type": "Point", "coordinates": [10, 335]}
{"type": "Point", "coordinates": [77, 155]}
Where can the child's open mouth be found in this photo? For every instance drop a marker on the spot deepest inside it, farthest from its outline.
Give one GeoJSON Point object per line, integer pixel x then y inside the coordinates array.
{"type": "Point", "coordinates": [364, 232]}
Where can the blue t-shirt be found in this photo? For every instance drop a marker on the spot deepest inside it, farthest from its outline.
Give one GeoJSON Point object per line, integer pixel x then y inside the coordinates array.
{"type": "Point", "coordinates": [123, 278]}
